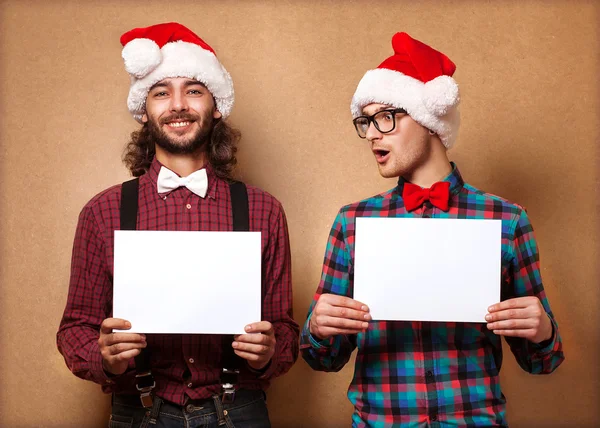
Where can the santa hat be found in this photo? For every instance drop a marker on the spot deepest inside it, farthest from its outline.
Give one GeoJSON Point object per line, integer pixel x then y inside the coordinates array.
{"type": "Point", "coordinates": [418, 79]}
{"type": "Point", "coordinates": [155, 53]}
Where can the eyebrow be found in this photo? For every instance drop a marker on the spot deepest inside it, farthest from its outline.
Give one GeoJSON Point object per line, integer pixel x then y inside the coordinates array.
{"type": "Point", "coordinates": [158, 85]}
{"type": "Point", "coordinates": [193, 83]}
{"type": "Point", "coordinates": [187, 83]}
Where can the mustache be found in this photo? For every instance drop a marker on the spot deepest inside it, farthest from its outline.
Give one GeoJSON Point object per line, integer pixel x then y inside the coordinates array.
{"type": "Point", "coordinates": [183, 117]}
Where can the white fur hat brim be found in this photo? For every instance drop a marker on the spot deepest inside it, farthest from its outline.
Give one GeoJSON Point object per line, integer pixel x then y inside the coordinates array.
{"type": "Point", "coordinates": [177, 59]}
{"type": "Point", "coordinates": [433, 104]}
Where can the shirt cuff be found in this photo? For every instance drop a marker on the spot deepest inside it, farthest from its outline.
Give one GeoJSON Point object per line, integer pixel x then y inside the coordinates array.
{"type": "Point", "coordinates": [319, 344]}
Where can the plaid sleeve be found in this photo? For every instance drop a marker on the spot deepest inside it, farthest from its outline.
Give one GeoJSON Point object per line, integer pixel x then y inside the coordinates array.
{"type": "Point", "coordinates": [277, 303]}
{"type": "Point", "coordinates": [526, 280]}
{"type": "Point", "coordinates": [333, 353]}
{"type": "Point", "coordinates": [87, 303]}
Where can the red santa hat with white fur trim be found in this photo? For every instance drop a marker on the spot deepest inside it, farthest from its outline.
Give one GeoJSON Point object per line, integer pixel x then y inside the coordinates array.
{"type": "Point", "coordinates": [154, 53]}
{"type": "Point", "coordinates": [418, 79]}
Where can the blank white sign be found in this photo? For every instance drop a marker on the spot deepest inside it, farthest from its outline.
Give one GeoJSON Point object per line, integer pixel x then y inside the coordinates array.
{"type": "Point", "coordinates": [413, 269]}
{"type": "Point", "coordinates": [187, 282]}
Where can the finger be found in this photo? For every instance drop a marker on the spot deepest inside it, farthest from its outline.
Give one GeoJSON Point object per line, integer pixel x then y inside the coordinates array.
{"type": "Point", "coordinates": [260, 327]}
{"type": "Point", "coordinates": [507, 314]}
{"type": "Point", "coordinates": [119, 348]}
{"type": "Point", "coordinates": [514, 324]}
{"type": "Point", "coordinates": [517, 302]}
{"type": "Point", "coordinates": [109, 324]}
{"type": "Point", "coordinates": [251, 348]}
{"type": "Point", "coordinates": [347, 313]}
{"type": "Point", "coordinates": [255, 338]}
{"type": "Point", "coordinates": [335, 300]}
{"type": "Point", "coordinates": [327, 321]}
{"type": "Point", "coordinates": [113, 338]}
{"type": "Point", "coordinates": [129, 337]}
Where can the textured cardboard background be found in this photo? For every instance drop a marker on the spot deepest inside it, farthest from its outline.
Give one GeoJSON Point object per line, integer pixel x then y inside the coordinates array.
{"type": "Point", "coordinates": [528, 75]}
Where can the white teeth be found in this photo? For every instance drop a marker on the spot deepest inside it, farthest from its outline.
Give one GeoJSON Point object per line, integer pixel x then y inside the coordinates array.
{"type": "Point", "coordinates": [178, 124]}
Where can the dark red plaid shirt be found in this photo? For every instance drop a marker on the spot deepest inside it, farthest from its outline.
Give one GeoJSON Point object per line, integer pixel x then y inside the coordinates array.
{"type": "Point", "coordinates": [183, 365]}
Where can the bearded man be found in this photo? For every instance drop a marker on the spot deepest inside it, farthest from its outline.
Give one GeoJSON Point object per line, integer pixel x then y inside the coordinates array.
{"type": "Point", "coordinates": [183, 156]}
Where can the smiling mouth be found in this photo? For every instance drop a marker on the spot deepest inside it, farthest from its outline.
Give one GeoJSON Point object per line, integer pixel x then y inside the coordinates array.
{"type": "Point", "coordinates": [180, 124]}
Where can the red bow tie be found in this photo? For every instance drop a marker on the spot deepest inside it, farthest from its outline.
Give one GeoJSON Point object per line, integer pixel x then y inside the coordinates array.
{"type": "Point", "coordinates": [438, 195]}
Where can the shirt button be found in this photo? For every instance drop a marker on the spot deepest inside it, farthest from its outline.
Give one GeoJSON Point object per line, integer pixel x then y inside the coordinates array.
{"type": "Point", "coordinates": [434, 417]}
{"type": "Point", "coordinates": [189, 206]}
{"type": "Point", "coordinates": [191, 360]}
{"type": "Point", "coordinates": [190, 385]}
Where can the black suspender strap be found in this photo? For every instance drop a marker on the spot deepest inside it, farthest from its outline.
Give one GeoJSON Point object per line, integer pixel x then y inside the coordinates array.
{"type": "Point", "coordinates": [230, 361]}
{"type": "Point", "coordinates": [129, 204]}
{"type": "Point", "coordinates": [144, 381]}
{"type": "Point", "coordinates": [239, 206]}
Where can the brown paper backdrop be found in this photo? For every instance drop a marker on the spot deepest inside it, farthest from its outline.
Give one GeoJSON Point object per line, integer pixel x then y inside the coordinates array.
{"type": "Point", "coordinates": [528, 73]}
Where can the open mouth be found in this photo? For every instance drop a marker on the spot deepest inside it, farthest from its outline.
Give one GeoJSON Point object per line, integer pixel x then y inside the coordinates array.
{"type": "Point", "coordinates": [381, 155]}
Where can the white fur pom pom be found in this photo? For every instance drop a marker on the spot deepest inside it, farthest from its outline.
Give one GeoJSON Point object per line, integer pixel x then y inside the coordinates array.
{"type": "Point", "coordinates": [141, 56]}
{"type": "Point", "coordinates": [440, 95]}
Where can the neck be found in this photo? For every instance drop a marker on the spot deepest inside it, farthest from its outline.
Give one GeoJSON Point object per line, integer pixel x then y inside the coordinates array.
{"type": "Point", "coordinates": [433, 170]}
{"type": "Point", "coordinates": [181, 164]}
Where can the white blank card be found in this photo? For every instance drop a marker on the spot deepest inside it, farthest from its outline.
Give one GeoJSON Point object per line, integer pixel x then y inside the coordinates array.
{"type": "Point", "coordinates": [414, 269]}
{"type": "Point", "coordinates": [187, 282]}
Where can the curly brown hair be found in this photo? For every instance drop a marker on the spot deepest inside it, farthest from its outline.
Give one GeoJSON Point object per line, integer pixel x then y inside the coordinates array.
{"type": "Point", "coordinates": [222, 146]}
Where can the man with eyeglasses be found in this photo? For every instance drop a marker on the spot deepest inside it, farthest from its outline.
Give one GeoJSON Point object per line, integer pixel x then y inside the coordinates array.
{"type": "Point", "coordinates": [418, 374]}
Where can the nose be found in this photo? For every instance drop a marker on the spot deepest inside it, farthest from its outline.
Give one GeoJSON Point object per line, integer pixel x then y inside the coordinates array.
{"type": "Point", "coordinates": [178, 102]}
{"type": "Point", "coordinates": [372, 132]}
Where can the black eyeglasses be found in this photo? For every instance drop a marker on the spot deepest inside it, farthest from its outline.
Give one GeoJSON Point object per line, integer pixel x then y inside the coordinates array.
{"type": "Point", "coordinates": [384, 121]}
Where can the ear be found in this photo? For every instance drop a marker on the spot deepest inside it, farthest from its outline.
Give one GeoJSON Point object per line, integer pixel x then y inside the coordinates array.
{"type": "Point", "coordinates": [217, 114]}
{"type": "Point", "coordinates": [144, 118]}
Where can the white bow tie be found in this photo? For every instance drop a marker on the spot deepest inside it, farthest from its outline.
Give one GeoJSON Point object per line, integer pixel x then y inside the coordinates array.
{"type": "Point", "coordinates": [196, 182]}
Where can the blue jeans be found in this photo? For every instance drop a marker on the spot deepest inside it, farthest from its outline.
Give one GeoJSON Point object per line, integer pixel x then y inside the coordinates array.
{"type": "Point", "coordinates": [249, 410]}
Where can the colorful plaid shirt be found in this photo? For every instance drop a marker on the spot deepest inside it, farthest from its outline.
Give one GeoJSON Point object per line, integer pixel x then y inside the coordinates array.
{"type": "Point", "coordinates": [183, 365]}
{"type": "Point", "coordinates": [436, 374]}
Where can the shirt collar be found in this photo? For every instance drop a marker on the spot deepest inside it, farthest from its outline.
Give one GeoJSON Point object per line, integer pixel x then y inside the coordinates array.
{"type": "Point", "coordinates": [454, 178]}
{"type": "Point", "coordinates": [211, 191]}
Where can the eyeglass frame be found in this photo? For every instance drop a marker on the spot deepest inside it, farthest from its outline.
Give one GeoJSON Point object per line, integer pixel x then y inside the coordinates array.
{"type": "Point", "coordinates": [371, 119]}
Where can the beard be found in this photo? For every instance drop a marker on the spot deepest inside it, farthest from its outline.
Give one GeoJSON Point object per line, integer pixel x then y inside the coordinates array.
{"type": "Point", "coordinates": [193, 143]}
